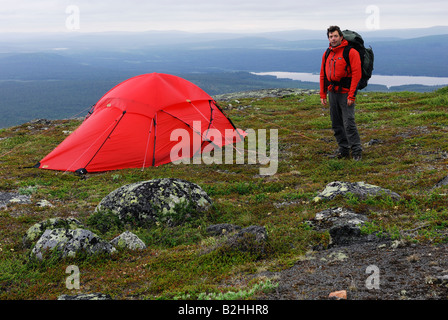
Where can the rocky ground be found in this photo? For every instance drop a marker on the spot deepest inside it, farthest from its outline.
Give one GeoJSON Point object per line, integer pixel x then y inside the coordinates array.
{"type": "Point", "coordinates": [376, 270]}
{"type": "Point", "coordinates": [371, 268]}
{"type": "Point", "coordinates": [263, 93]}
{"type": "Point", "coordinates": [364, 267]}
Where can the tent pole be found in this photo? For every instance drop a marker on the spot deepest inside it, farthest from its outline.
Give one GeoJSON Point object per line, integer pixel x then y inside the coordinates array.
{"type": "Point", "coordinates": [147, 145]}
{"type": "Point", "coordinates": [113, 129]}
{"type": "Point", "coordinates": [154, 145]}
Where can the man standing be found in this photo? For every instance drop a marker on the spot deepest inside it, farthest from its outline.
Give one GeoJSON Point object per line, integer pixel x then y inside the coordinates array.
{"type": "Point", "coordinates": [340, 81]}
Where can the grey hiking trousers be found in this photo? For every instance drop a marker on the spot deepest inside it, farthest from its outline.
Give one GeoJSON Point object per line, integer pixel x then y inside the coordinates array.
{"type": "Point", "coordinates": [343, 123]}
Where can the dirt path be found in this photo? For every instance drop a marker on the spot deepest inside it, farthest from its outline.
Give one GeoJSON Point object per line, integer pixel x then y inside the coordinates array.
{"type": "Point", "coordinates": [398, 271]}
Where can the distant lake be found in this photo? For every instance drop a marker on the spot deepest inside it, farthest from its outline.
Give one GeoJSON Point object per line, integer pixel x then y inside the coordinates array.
{"type": "Point", "coordinates": [388, 81]}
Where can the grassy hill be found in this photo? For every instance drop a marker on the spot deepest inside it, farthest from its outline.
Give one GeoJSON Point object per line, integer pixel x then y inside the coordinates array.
{"type": "Point", "coordinates": [409, 157]}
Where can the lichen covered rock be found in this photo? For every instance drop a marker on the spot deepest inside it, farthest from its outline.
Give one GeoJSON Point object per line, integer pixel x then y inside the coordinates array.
{"type": "Point", "coordinates": [7, 198]}
{"type": "Point", "coordinates": [337, 216]}
{"type": "Point", "coordinates": [360, 189]}
{"type": "Point", "coordinates": [36, 231]}
{"type": "Point", "coordinates": [161, 200]}
{"type": "Point", "coordinates": [70, 243]}
{"type": "Point", "coordinates": [86, 296]}
{"type": "Point", "coordinates": [344, 226]}
{"type": "Point", "coordinates": [128, 240]}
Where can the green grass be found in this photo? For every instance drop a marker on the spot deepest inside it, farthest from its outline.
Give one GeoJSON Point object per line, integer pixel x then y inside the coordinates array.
{"type": "Point", "coordinates": [179, 261]}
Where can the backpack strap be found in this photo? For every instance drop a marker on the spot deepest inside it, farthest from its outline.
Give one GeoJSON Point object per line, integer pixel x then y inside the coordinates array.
{"type": "Point", "coordinates": [346, 56]}
{"type": "Point", "coordinates": [327, 53]}
{"type": "Point", "coordinates": [344, 82]}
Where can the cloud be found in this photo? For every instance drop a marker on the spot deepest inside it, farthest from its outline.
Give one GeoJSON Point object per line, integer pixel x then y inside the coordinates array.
{"type": "Point", "coordinates": [216, 15]}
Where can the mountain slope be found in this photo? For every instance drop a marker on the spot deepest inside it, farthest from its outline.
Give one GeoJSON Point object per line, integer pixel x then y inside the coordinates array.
{"type": "Point", "coordinates": [405, 150]}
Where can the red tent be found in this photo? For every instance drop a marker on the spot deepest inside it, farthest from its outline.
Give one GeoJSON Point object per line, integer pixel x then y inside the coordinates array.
{"type": "Point", "coordinates": [131, 126]}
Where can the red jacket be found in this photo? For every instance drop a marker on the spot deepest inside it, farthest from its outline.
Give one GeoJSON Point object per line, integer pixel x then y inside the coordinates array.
{"type": "Point", "coordinates": [335, 69]}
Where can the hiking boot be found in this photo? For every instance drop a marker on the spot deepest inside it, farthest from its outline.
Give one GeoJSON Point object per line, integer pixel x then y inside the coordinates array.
{"type": "Point", "coordinates": [357, 156]}
{"type": "Point", "coordinates": [342, 155]}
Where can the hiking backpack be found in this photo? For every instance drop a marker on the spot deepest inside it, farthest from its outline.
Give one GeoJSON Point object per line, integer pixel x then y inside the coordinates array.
{"type": "Point", "coordinates": [356, 42]}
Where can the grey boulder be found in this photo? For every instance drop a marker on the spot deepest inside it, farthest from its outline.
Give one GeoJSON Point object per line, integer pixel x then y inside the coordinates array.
{"type": "Point", "coordinates": [35, 232]}
{"type": "Point", "coordinates": [344, 226]}
{"type": "Point", "coordinates": [70, 243]}
{"type": "Point", "coordinates": [165, 201]}
{"type": "Point", "coordinates": [360, 189]}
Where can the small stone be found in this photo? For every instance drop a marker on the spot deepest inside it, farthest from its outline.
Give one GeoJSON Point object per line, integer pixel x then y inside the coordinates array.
{"type": "Point", "coordinates": [338, 295]}
{"type": "Point", "coordinates": [398, 244]}
{"type": "Point", "coordinates": [86, 296]}
{"type": "Point", "coordinates": [128, 240]}
{"type": "Point", "coordinates": [7, 198]}
{"type": "Point", "coordinates": [44, 203]}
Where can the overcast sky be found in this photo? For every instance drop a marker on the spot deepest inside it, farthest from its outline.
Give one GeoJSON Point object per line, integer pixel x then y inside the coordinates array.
{"type": "Point", "coordinates": [217, 15]}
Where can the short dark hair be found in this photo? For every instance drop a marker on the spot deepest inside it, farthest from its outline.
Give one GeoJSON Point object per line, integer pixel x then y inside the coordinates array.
{"type": "Point", "coordinates": [332, 29]}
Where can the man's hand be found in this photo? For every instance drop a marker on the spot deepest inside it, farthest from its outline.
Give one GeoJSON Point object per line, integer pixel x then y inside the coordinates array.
{"type": "Point", "coordinates": [350, 102]}
{"type": "Point", "coordinates": [324, 102]}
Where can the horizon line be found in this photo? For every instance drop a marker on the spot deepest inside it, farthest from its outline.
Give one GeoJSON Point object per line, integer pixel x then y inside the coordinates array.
{"type": "Point", "coordinates": [206, 32]}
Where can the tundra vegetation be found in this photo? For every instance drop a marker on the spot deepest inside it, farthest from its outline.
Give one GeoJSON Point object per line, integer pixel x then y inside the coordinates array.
{"type": "Point", "coordinates": [404, 136]}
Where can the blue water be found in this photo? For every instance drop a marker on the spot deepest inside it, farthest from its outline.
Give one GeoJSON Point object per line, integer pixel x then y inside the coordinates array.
{"type": "Point", "coordinates": [388, 81]}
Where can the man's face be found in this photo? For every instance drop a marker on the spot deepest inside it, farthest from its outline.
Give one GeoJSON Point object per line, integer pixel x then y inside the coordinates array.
{"type": "Point", "coordinates": [335, 38]}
